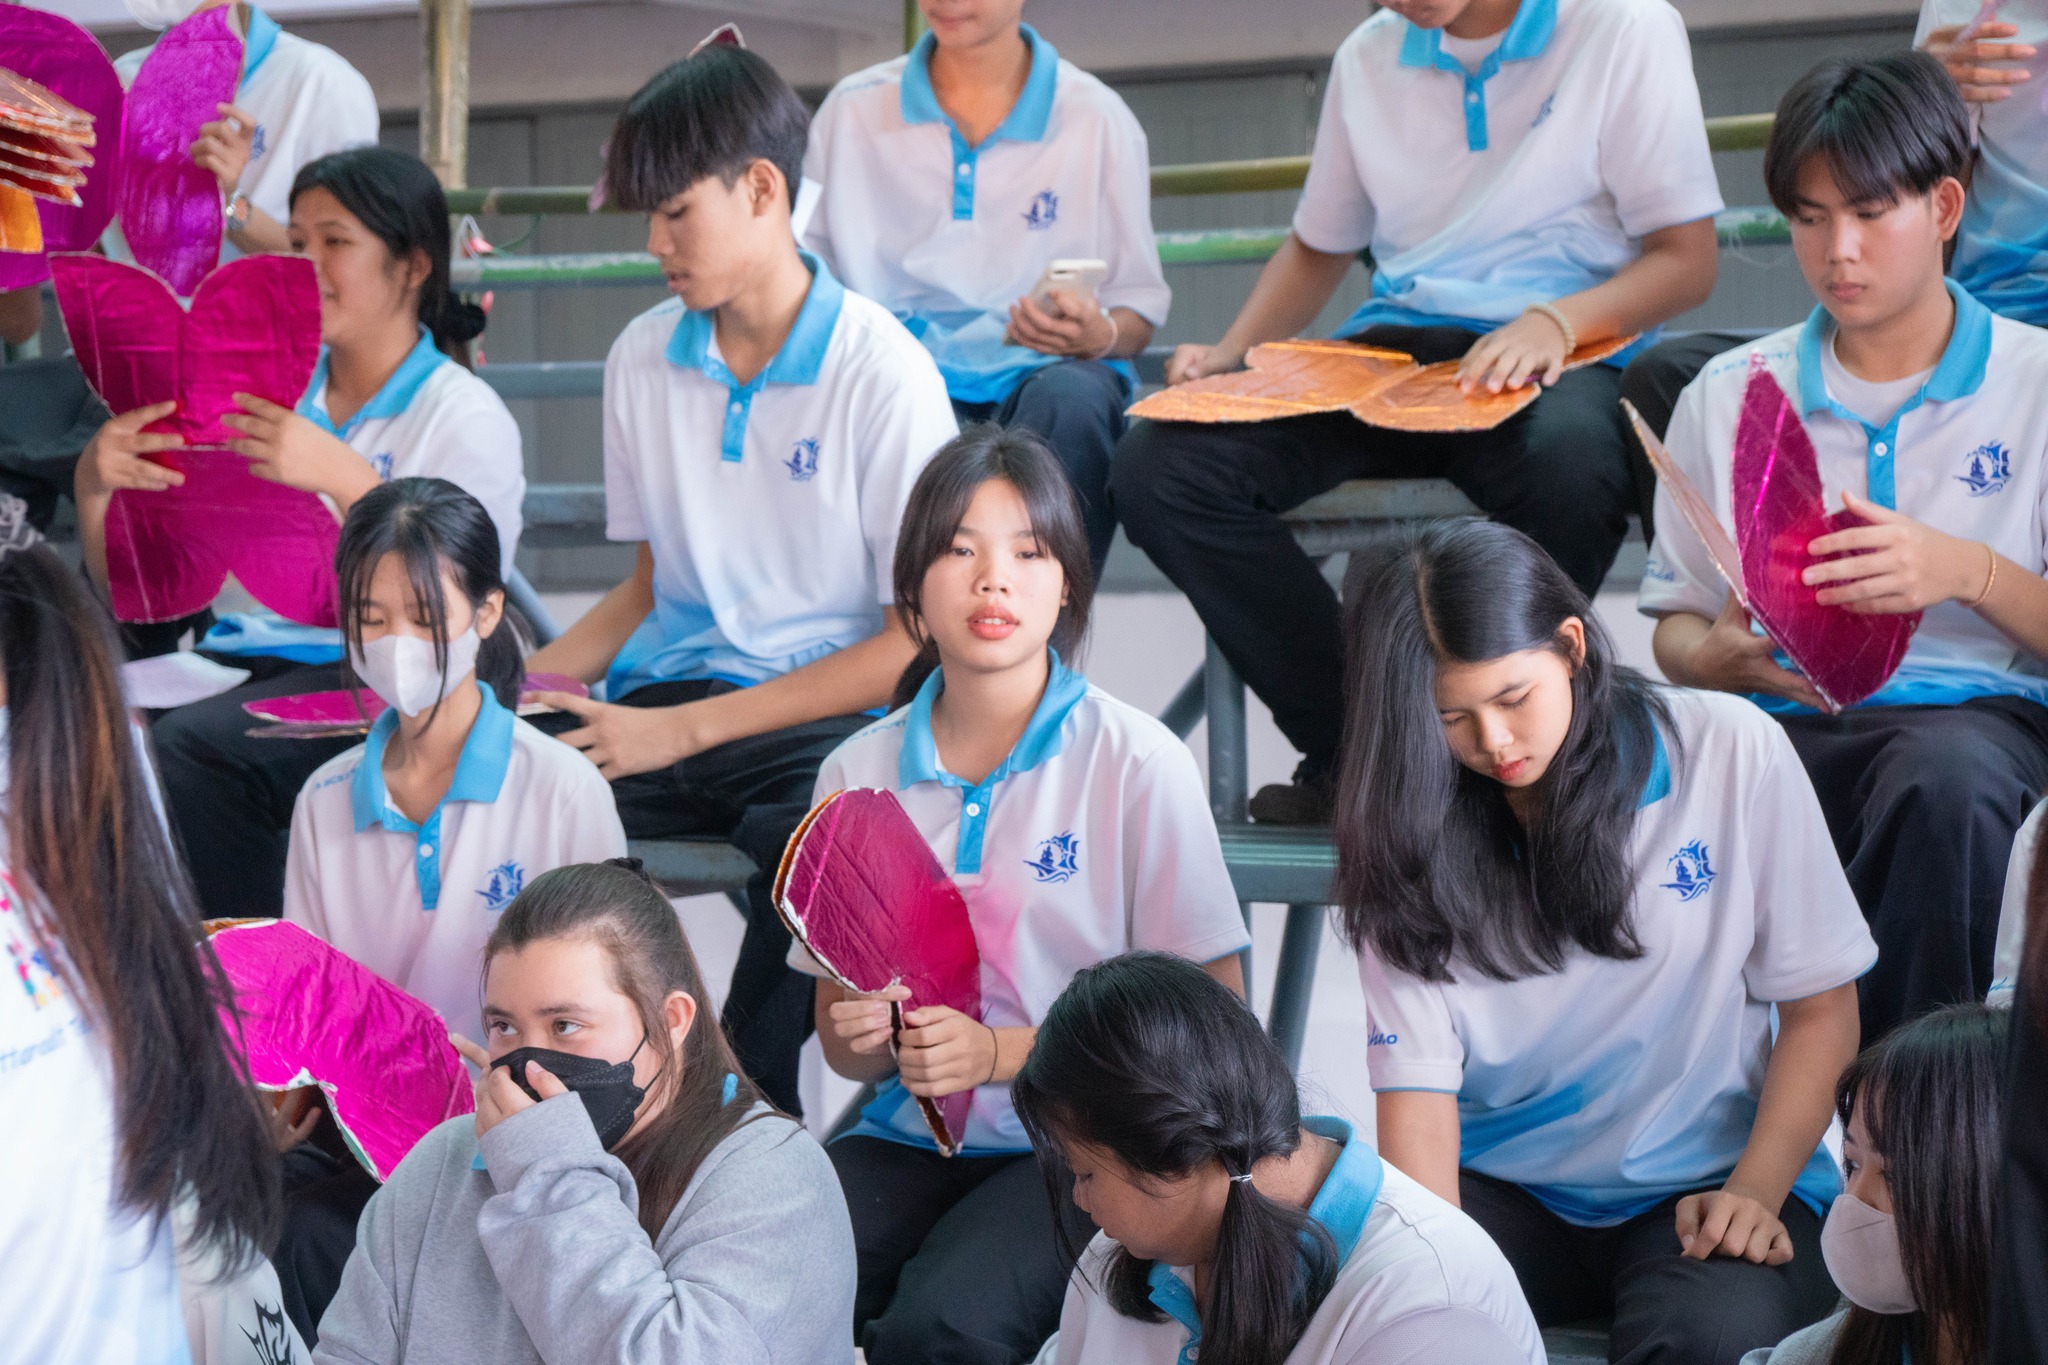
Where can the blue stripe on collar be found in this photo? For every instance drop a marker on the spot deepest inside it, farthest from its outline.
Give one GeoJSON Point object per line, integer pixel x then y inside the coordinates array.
{"type": "Point", "coordinates": [799, 360]}
{"type": "Point", "coordinates": [393, 398]}
{"type": "Point", "coordinates": [479, 776]}
{"type": "Point", "coordinates": [1658, 785]}
{"type": "Point", "coordinates": [256, 46]}
{"type": "Point", "coordinates": [1526, 37]}
{"type": "Point", "coordinates": [1028, 117]}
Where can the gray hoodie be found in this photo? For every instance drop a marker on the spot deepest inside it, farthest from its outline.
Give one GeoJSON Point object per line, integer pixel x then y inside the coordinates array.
{"type": "Point", "coordinates": [535, 1253]}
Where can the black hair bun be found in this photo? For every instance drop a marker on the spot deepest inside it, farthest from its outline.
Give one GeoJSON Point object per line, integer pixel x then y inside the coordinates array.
{"type": "Point", "coordinates": [461, 320]}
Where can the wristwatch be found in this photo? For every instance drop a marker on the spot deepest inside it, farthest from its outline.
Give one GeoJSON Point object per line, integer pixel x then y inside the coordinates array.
{"type": "Point", "coordinates": [236, 211]}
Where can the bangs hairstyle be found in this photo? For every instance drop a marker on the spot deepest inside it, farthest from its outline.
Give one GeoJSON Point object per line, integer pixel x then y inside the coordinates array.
{"type": "Point", "coordinates": [716, 112]}
{"type": "Point", "coordinates": [1888, 127]}
{"type": "Point", "coordinates": [1432, 864]}
{"type": "Point", "coordinates": [938, 502]}
{"type": "Point", "coordinates": [399, 201]}
{"type": "Point", "coordinates": [618, 907]}
{"type": "Point", "coordinates": [1932, 1105]}
{"type": "Point", "coordinates": [435, 529]}
{"type": "Point", "coordinates": [1149, 1058]}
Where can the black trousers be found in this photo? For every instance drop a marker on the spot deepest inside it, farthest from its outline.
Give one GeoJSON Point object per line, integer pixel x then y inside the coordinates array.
{"type": "Point", "coordinates": [230, 796]}
{"type": "Point", "coordinates": [1923, 803]}
{"type": "Point", "coordinates": [1668, 1310]}
{"type": "Point", "coordinates": [1653, 381]}
{"type": "Point", "coordinates": [2019, 1311]}
{"type": "Point", "coordinates": [960, 1260]}
{"type": "Point", "coordinates": [1078, 407]}
{"type": "Point", "coordinates": [1204, 501]}
{"type": "Point", "coordinates": [755, 792]}
{"type": "Point", "coordinates": [48, 415]}
{"type": "Point", "coordinates": [324, 1197]}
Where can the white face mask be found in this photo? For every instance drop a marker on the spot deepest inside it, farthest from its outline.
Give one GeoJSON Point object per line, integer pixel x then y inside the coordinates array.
{"type": "Point", "coordinates": [161, 14]}
{"type": "Point", "coordinates": [1861, 1248]}
{"type": "Point", "coordinates": [400, 669]}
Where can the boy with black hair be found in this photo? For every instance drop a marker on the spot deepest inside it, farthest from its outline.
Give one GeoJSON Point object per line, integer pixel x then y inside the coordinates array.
{"type": "Point", "coordinates": [762, 433]}
{"type": "Point", "coordinates": [1929, 416]}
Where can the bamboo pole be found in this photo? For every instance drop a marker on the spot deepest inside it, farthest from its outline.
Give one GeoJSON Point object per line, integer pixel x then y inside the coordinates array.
{"type": "Point", "coordinates": [444, 112]}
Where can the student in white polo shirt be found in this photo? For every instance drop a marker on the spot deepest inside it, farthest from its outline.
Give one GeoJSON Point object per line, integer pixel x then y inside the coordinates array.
{"type": "Point", "coordinates": [948, 179]}
{"type": "Point", "coordinates": [1609, 966]}
{"type": "Point", "coordinates": [1076, 828]}
{"type": "Point", "coordinates": [762, 430]}
{"type": "Point", "coordinates": [1234, 1228]}
{"type": "Point", "coordinates": [1527, 174]}
{"type": "Point", "coordinates": [1929, 416]}
{"type": "Point", "coordinates": [390, 398]}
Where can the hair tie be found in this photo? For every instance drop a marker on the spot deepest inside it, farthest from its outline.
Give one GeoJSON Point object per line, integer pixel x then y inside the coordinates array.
{"type": "Point", "coordinates": [1241, 1179]}
{"type": "Point", "coordinates": [17, 532]}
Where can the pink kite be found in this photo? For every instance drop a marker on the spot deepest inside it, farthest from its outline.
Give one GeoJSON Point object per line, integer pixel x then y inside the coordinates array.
{"type": "Point", "coordinates": [313, 1016]}
{"type": "Point", "coordinates": [52, 51]}
{"type": "Point", "coordinates": [170, 208]}
{"type": "Point", "coordinates": [1777, 509]}
{"type": "Point", "coordinates": [860, 888]}
{"type": "Point", "coordinates": [254, 327]}
{"type": "Point", "coordinates": [342, 710]}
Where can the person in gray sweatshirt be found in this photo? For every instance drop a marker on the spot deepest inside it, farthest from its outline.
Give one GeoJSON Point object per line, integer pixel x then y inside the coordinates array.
{"type": "Point", "coordinates": [623, 1194]}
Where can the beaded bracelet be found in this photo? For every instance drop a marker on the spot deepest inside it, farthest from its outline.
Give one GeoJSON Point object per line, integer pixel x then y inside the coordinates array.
{"type": "Point", "coordinates": [1556, 315]}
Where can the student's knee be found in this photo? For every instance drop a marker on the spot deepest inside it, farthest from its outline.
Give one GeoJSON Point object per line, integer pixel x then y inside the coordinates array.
{"type": "Point", "coordinates": [1951, 776]}
{"type": "Point", "coordinates": [1072, 398]}
{"type": "Point", "coordinates": [1678, 1311]}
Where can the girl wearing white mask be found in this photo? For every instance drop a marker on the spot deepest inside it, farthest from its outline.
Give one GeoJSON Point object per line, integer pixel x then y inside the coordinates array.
{"type": "Point", "coordinates": [406, 848]}
{"type": "Point", "coordinates": [1909, 1239]}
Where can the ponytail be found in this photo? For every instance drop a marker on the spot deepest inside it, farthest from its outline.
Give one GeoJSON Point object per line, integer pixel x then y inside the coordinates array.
{"type": "Point", "coordinates": [397, 199]}
{"type": "Point", "coordinates": [1149, 1058]}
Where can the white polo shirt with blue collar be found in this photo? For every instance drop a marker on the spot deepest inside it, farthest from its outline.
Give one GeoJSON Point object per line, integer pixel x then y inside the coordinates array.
{"type": "Point", "coordinates": [431, 419]}
{"type": "Point", "coordinates": [771, 507]}
{"type": "Point", "coordinates": [948, 235]}
{"type": "Point", "coordinates": [1608, 1086]}
{"type": "Point", "coordinates": [415, 902]}
{"type": "Point", "coordinates": [1092, 838]}
{"type": "Point", "coordinates": [307, 102]}
{"type": "Point", "coordinates": [1966, 454]}
{"type": "Point", "coordinates": [1419, 1283]}
{"type": "Point", "coordinates": [1489, 174]}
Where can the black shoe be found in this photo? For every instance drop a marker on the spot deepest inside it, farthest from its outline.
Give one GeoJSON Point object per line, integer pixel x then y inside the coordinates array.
{"type": "Point", "coordinates": [1308, 800]}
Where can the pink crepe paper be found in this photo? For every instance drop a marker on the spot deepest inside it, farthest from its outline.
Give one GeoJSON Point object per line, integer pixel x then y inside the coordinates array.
{"type": "Point", "coordinates": [343, 707]}
{"type": "Point", "coordinates": [1778, 510]}
{"type": "Point", "coordinates": [254, 327]}
{"type": "Point", "coordinates": [170, 208]}
{"type": "Point", "coordinates": [309, 1015]}
{"type": "Point", "coordinates": [53, 51]}
{"type": "Point", "coordinates": [860, 888]}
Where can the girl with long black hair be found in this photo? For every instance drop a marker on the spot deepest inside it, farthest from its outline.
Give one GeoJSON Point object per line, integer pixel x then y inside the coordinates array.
{"type": "Point", "coordinates": [1232, 1226]}
{"type": "Point", "coordinates": [1910, 1239]}
{"type": "Point", "coordinates": [1608, 954]}
{"type": "Point", "coordinates": [123, 1103]}
{"type": "Point", "coordinates": [1075, 827]}
{"type": "Point", "coordinates": [623, 1194]}
{"type": "Point", "coordinates": [391, 397]}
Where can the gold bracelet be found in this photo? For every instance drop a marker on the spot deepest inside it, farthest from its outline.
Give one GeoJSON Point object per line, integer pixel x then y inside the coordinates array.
{"type": "Point", "coordinates": [1556, 315]}
{"type": "Point", "coordinates": [1989, 578]}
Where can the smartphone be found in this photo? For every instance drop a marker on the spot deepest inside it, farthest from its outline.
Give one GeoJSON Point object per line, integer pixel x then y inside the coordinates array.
{"type": "Point", "coordinates": [1078, 276]}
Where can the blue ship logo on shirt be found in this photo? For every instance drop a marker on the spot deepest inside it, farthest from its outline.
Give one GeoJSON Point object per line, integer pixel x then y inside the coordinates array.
{"type": "Point", "coordinates": [380, 465]}
{"type": "Point", "coordinates": [1691, 872]}
{"type": "Point", "coordinates": [504, 883]}
{"type": "Point", "coordinates": [802, 463]}
{"type": "Point", "coordinates": [1544, 112]}
{"type": "Point", "coordinates": [1044, 211]}
{"type": "Point", "coordinates": [259, 142]}
{"type": "Point", "coordinates": [1986, 470]}
{"type": "Point", "coordinates": [1059, 858]}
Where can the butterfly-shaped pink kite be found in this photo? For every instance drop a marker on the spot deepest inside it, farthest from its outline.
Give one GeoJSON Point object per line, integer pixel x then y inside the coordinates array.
{"type": "Point", "coordinates": [170, 207]}
{"type": "Point", "coordinates": [859, 887]}
{"type": "Point", "coordinates": [253, 327]}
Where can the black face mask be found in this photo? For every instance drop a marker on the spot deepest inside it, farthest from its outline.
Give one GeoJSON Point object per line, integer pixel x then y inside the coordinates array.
{"type": "Point", "coordinates": [607, 1088]}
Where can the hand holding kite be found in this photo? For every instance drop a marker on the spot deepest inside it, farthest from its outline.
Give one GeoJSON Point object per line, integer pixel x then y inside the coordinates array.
{"type": "Point", "coordinates": [1895, 564]}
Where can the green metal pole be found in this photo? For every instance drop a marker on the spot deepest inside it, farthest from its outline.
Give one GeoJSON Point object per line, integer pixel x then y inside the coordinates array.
{"type": "Point", "coordinates": [913, 24]}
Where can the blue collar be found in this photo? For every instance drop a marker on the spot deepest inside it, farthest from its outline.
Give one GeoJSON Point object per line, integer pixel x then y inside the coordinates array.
{"type": "Point", "coordinates": [802, 353]}
{"type": "Point", "coordinates": [479, 773]}
{"type": "Point", "coordinates": [256, 45]}
{"type": "Point", "coordinates": [1342, 1206]}
{"type": "Point", "coordinates": [1526, 37]}
{"type": "Point", "coordinates": [1658, 785]}
{"type": "Point", "coordinates": [919, 759]}
{"type": "Point", "coordinates": [393, 398]}
{"type": "Point", "coordinates": [1959, 373]}
{"type": "Point", "coordinates": [1028, 117]}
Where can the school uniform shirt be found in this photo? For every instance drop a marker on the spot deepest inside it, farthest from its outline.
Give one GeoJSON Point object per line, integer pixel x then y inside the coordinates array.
{"type": "Point", "coordinates": [307, 102]}
{"type": "Point", "coordinates": [770, 507]}
{"type": "Point", "coordinates": [948, 235]}
{"type": "Point", "coordinates": [1489, 174]}
{"type": "Point", "coordinates": [2012, 908]}
{"type": "Point", "coordinates": [2002, 246]}
{"type": "Point", "coordinates": [1092, 838]}
{"type": "Point", "coordinates": [415, 902]}
{"type": "Point", "coordinates": [1419, 1283]}
{"type": "Point", "coordinates": [90, 1283]}
{"type": "Point", "coordinates": [1608, 1086]}
{"type": "Point", "coordinates": [1967, 453]}
{"type": "Point", "coordinates": [431, 419]}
